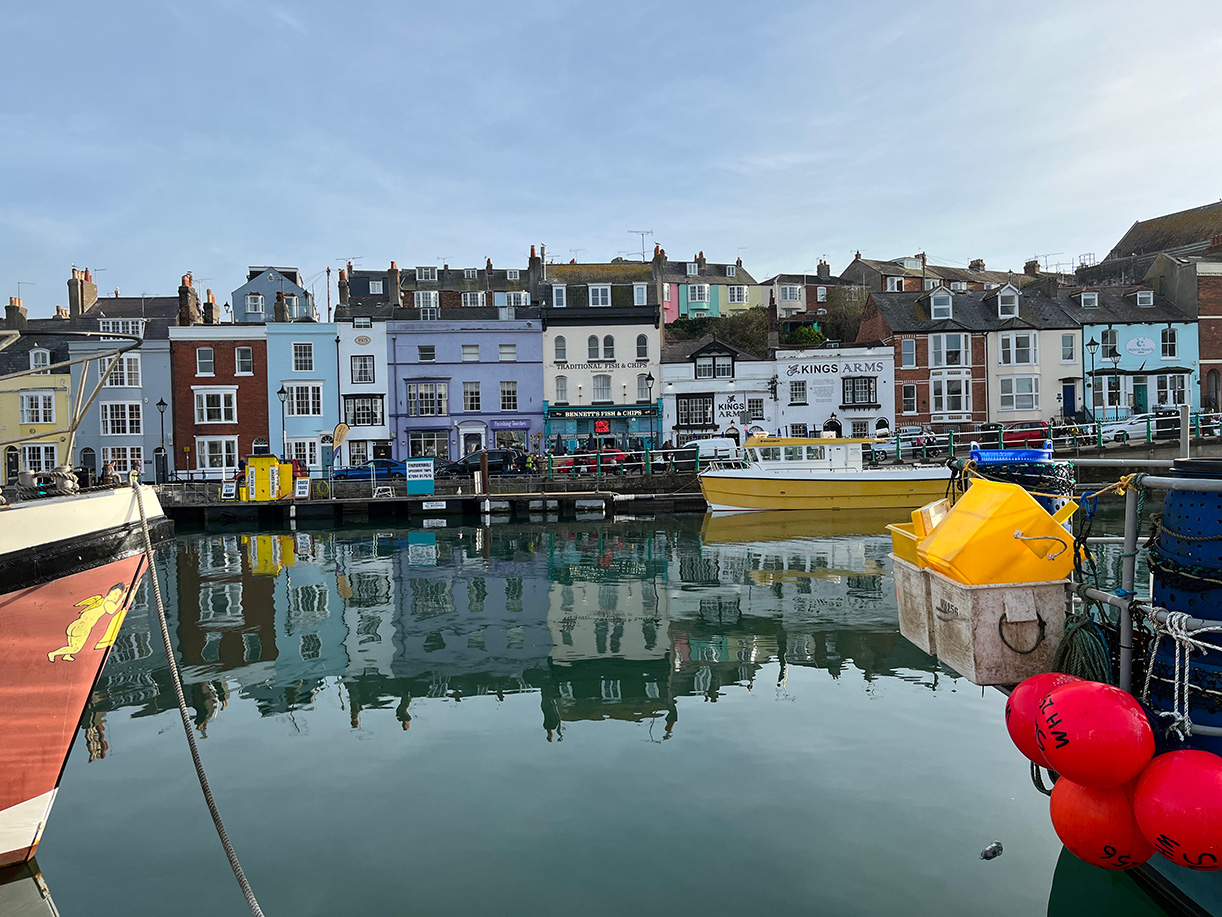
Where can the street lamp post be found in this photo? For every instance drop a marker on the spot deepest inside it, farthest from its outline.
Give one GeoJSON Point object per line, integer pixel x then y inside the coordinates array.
{"type": "Point", "coordinates": [649, 381]}
{"type": "Point", "coordinates": [1092, 347]}
{"type": "Point", "coordinates": [160, 466]}
{"type": "Point", "coordinates": [282, 394]}
{"type": "Point", "coordinates": [1114, 358]}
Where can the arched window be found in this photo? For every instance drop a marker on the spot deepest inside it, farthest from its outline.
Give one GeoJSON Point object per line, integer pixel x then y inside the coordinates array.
{"type": "Point", "coordinates": [39, 360]}
{"type": "Point", "coordinates": [592, 347]}
{"type": "Point", "coordinates": [608, 348]}
{"type": "Point", "coordinates": [562, 350]}
{"type": "Point", "coordinates": [642, 347]}
{"type": "Point", "coordinates": [642, 387]}
{"type": "Point", "coordinates": [562, 389]}
{"type": "Point", "coordinates": [602, 388]}
{"type": "Point", "coordinates": [89, 460]}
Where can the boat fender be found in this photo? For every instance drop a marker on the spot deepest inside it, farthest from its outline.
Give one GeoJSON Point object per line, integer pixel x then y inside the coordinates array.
{"type": "Point", "coordinates": [1022, 707]}
{"type": "Point", "coordinates": [1094, 734]}
{"type": "Point", "coordinates": [1178, 804]}
{"type": "Point", "coordinates": [1098, 825]}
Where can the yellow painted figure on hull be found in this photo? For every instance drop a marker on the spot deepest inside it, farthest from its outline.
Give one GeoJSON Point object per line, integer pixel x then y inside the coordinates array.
{"type": "Point", "coordinates": [96, 607]}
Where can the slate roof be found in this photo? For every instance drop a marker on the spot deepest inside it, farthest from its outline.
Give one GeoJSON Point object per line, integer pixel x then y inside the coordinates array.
{"type": "Point", "coordinates": [384, 311]}
{"type": "Point", "coordinates": [683, 351]}
{"type": "Point", "coordinates": [1171, 231]}
{"type": "Point", "coordinates": [16, 356]}
{"type": "Point", "coordinates": [1118, 304]}
{"type": "Point", "coordinates": [813, 280]}
{"type": "Point", "coordinates": [159, 312]}
{"type": "Point", "coordinates": [712, 272]}
{"type": "Point", "coordinates": [611, 272]}
{"type": "Point", "coordinates": [938, 271]}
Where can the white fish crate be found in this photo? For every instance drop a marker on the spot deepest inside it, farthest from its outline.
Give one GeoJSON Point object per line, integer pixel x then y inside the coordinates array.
{"type": "Point", "coordinates": [915, 607]}
{"type": "Point", "coordinates": [997, 634]}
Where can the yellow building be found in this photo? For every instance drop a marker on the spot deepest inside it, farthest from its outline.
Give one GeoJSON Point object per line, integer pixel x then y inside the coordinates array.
{"type": "Point", "coordinates": [33, 407]}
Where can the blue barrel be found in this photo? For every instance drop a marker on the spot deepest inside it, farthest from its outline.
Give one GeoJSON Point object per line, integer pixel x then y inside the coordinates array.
{"type": "Point", "coordinates": [1183, 563]}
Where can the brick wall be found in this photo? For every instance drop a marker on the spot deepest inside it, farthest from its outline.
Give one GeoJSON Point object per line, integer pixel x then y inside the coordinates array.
{"type": "Point", "coordinates": [251, 399]}
{"type": "Point", "coordinates": [1209, 327]}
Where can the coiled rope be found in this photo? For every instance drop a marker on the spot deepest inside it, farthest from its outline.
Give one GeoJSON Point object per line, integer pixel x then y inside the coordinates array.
{"type": "Point", "coordinates": [247, 892]}
{"type": "Point", "coordinates": [1186, 640]}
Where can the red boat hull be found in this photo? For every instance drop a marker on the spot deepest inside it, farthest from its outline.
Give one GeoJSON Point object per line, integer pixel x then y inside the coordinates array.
{"type": "Point", "coordinates": [54, 640]}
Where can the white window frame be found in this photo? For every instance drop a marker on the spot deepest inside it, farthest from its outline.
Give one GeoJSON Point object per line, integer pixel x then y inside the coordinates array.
{"type": "Point", "coordinates": [939, 394]}
{"type": "Point", "coordinates": [426, 299]}
{"type": "Point", "coordinates": [562, 390]}
{"type": "Point", "coordinates": [375, 288]}
{"type": "Point", "coordinates": [908, 398]}
{"type": "Point", "coordinates": [895, 284]}
{"type": "Point", "coordinates": [507, 353]}
{"type": "Point", "coordinates": [958, 286]}
{"type": "Point", "coordinates": [1107, 349]}
{"type": "Point", "coordinates": [1008, 348]}
{"type": "Point", "coordinates": [470, 353]}
{"type": "Point", "coordinates": [640, 294]}
{"type": "Point", "coordinates": [227, 452]}
{"type": "Point", "coordinates": [1007, 305]}
{"type": "Point", "coordinates": [1171, 388]}
{"type": "Point", "coordinates": [362, 321]}
{"type": "Point", "coordinates": [438, 399]}
{"type": "Point", "coordinates": [128, 326]}
{"type": "Point", "coordinates": [642, 387]}
{"type": "Point", "coordinates": [1090, 300]}
{"type": "Point", "coordinates": [697, 292]}
{"type": "Point", "coordinates": [929, 283]}
{"type": "Point", "coordinates": [425, 353]}
{"type": "Point", "coordinates": [305, 449]}
{"type": "Point", "coordinates": [1145, 298]}
{"type": "Point", "coordinates": [1009, 394]}
{"type": "Point", "coordinates": [126, 373]}
{"type": "Point", "coordinates": [364, 411]}
{"type": "Point", "coordinates": [1170, 344]}
{"type": "Point", "coordinates": [704, 368]}
{"type": "Point", "coordinates": [121, 418]}
{"type": "Point", "coordinates": [797, 391]}
{"type": "Point", "coordinates": [820, 294]}
{"type": "Point", "coordinates": [602, 386]}
{"type": "Point", "coordinates": [226, 404]}
{"type": "Point", "coordinates": [200, 362]}
{"type": "Point", "coordinates": [560, 296]}
{"type": "Point", "coordinates": [473, 299]}
{"type": "Point", "coordinates": [592, 344]}
{"type": "Point", "coordinates": [509, 396]}
{"type": "Point", "coordinates": [602, 293]}
{"type": "Point", "coordinates": [1072, 341]}
{"type": "Point", "coordinates": [938, 350]}
{"type": "Point", "coordinates": [608, 347]}
{"type": "Point", "coordinates": [426, 273]}
{"type": "Point", "coordinates": [472, 397]}
{"type": "Point", "coordinates": [907, 350]}
{"type": "Point", "coordinates": [642, 347]}
{"type": "Point", "coordinates": [723, 367]}
{"type": "Point", "coordinates": [755, 408]}
{"type": "Point", "coordinates": [312, 398]}
{"type": "Point", "coordinates": [40, 360]}
{"type": "Point", "coordinates": [38, 456]}
{"type": "Point", "coordinates": [693, 269]}
{"type": "Point", "coordinates": [731, 270]}
{"type": "Point", "coordinates": [237, 361]}
{"type": "Point", "coordinates": [470, 273]}
{"type": "Point", "coordinates": [737, 294]}
{"type": "Point", "coordinates": [303, 356]}
{"type": "Point", "coordinates": [37, 407]}
{"type": "Point", "coordinates": [517, 299]}
{"type": "Point", "coordinates": [125, 458]}
{"type": "Point", "coordinates": [941, 305]}
{"type": "Point", "coordinates": [790, 292]}
{"type": "Point", "coordinates": [560, 349]}
{"type": "Point", "coordinates": [512, 274]}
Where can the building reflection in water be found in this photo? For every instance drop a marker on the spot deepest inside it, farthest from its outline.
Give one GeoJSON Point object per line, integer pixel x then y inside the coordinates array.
{"type": "Point", "coordinates": [603, 621]}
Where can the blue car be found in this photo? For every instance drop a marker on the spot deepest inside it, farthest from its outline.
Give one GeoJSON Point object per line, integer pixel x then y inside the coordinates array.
{"type": "Point", "coordinates": [378, 469]}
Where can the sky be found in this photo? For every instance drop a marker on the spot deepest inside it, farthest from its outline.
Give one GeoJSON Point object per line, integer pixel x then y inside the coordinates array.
{"type": "Point", "coordinates": [146, 140]}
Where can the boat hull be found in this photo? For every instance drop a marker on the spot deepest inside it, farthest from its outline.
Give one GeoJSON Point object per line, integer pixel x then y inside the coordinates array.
{"type": "Point", "coordinates": [741, 490]}
{"type": "Point", "coordinates": [55, 635]}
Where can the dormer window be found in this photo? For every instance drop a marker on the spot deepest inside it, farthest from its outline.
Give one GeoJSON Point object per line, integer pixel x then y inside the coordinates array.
{"type": "Point", "coordinates": [911, 264]}
{"type": "Point", "coordinates": [1090, 300]}
{"type": "Point", "coordinates": [1007, 305]}
{"type": "Point", "coordinates": [991, 286]}
{"type": "Point", "coordinates": [929, 283]}
{"type": "Point", "coordinates": [511, 274]}
{"type": "Point", "coordinates": [1145, 298]}
{"type": "Point", "coordinates": [40, 360]}
{"type": "Point", "coordinates": [958, 286]}
{"type": "Point", "coordinates": [731, 270]}
{"type": "Point", "coordinates": [895, 284]}
{"type": "Point", "coordinates": [426, 273]}
{"type": "Point", "coordinates": [469, 273]}
{"type": "Point", "coordinates": [375, 288]}
{"type": "Point", "coordinates": [692, 269]}
{"type": "Point", "coordinates": [939, 305]}
{"type": "Point", "coordinates": [254, 302]}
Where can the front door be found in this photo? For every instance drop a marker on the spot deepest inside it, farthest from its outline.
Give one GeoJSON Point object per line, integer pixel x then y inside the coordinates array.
{"type": "Point", "coordinates": [1141, 399]}
{"type": "Point", "coordinates": [1069, 399]}
{"type": "Point", "coordinates": [12, 464]}
{"type": "Point", "coordinates": [472, 442]}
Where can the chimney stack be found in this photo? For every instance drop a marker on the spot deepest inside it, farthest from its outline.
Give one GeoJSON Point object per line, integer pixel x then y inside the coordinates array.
{"type": "Point", "coordinates": [343, 287]}
{"type": "Point", "coordinates": [188, 303]}
{"type": "Point", "coordinates": [210, 317]}
{"type": "Point", "coordinates": [394, 292]}
{"type": "Point", "coordinates": [281, 309]}
{"type": "Point", "coordinates": [976, 264]}
{"type": "Point", "coordinates": [14, 316]}
{"type": "Point", "coordinates": [82, 294]}
{"type": "Point", "coordinates": [824, 270]}
{"type": "Point", "coordinates": [488, 266]}
{"type": "Point", "coordinates": [1032, 268]}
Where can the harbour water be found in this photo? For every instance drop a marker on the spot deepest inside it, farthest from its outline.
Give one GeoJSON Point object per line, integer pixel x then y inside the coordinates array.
{"type": "Point", "coordinates": [646, 717]}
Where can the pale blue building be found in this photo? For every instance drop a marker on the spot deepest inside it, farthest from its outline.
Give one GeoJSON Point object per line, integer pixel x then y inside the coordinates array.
{"type": "Point", "coordinates": [255, 300]}
{"type": "Point", "coordinates": [303, 394]}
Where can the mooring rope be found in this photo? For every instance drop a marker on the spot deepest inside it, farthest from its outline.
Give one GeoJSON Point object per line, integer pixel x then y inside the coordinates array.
{"type": "Point", "coordinates": [176, 678]}
{"type": "Point", "coordinates": [1176, 627]}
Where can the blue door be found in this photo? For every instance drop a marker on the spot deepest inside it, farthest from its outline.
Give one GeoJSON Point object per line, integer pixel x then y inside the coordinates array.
{"type": "Point", "coordinates": [1069, 399]}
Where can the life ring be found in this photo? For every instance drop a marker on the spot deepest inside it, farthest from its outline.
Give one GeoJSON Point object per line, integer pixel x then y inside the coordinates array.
{"type": "Point", "coordinates": [322, 488]}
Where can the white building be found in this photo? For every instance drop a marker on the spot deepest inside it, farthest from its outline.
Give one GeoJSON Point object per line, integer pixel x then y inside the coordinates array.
{"type": "Point", "coordinates": [364, 384]}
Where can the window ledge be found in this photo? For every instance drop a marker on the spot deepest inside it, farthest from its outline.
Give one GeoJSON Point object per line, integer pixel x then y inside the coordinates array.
{"type": "Point", "coordinates": [799, 404]}
{"type": "Point", "coordinates": [860, 406]}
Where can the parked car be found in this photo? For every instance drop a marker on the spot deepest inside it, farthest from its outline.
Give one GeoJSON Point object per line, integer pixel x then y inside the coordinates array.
{"type": "Point", "coordinates": [912, 444]}
{"type": "Point", "coordinates": [1025, 434]}
{"type": "Point", "coordinates": [588, 462]}
{"type": "Point", "coordinates": [377, 469]}
{"type": "Point", "coordinates": [1137, 427]}
{"type": "Point", "coordinates": [717, 448]}
{"type": "Point", "coordinates": [500, 461]}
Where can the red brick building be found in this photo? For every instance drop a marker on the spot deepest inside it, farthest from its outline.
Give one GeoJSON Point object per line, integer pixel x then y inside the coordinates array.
{"type": "Point", "coordinates": [219, 377]}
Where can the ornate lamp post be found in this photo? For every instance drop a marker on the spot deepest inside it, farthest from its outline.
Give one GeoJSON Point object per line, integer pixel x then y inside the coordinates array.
{"type": "Point", "coordinates": [1092, 347]}
{"type": "Point", "coordinates": [649, 381]}
{"type": "Point", "coordinates": [282, 394]}
{"type": "Point", "coordinates": [160, 465]}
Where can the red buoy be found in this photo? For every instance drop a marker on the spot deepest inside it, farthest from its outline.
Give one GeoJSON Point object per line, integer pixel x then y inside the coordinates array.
{"type": "Point", "coordinates": [1093, 733]}
{"type": "Point", "coordinates": [1097, 825]}
{"type": "Point", "coordinates": [1178, 804]}
{"type": "Point", "coordinates": [1022, 707]}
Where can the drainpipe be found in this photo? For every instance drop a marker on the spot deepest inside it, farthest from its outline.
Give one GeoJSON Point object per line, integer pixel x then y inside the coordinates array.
{"type": "Point", "coordinates": [339, 396]}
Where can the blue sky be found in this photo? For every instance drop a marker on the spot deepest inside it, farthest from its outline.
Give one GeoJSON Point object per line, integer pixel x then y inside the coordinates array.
{"type": "Point", "coordinates": [145, 140]}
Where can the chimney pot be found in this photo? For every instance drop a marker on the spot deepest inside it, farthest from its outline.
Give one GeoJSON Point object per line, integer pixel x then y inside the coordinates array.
{"type": "Point", "coordinates": [489, 263]}
{"type": "Point", "coordinates": [393, 266]}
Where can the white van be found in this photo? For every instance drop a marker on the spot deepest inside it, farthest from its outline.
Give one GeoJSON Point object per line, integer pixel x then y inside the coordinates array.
{"type": "Point", "coordinates": [716, 449]}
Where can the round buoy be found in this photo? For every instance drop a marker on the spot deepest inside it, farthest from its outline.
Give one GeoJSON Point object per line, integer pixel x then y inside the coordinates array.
{"type": "Point", "coordinates": [1097, 825]}
{"type": "Point", "coordinates": [1178, 804]}
{"type": "Point", "coordinates": [1022, 707]}
{"type": "Point", "coordinates": [1093, 733]}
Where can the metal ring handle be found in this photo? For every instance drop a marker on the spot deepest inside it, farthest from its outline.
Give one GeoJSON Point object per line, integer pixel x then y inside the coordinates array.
{"type": "Point", "coordinates": [1038, 640]}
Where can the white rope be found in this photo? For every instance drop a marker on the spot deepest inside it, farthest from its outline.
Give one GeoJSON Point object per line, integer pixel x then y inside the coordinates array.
{"type": "Point", "coordinates": [1176, 627]}
{"type": "Point", "coordinates": [176, 679]}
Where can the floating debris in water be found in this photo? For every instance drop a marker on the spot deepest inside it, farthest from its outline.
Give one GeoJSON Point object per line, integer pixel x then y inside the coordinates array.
{"type": "Point", "coordinates": [992, 851]}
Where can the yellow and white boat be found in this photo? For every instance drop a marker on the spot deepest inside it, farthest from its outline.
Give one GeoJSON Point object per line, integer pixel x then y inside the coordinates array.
{"type": "Point", "coordinates": [791, 473]}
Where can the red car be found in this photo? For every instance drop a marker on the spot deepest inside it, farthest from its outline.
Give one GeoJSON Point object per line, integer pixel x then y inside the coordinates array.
{"type": "Point", "coordinates": [588, 462]}
{"type": "Point", "coordinates": [1026, 434]}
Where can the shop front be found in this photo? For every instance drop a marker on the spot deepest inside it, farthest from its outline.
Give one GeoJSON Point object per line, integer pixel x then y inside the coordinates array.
{"type": "Point", "coordinates": [511, 433]}
{"type": "Point", "coordinates": [576, 429]}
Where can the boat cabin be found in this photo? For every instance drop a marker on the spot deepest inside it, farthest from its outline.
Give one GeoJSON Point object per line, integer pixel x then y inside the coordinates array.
{"type": "Point", "coordinates": [777, 452]}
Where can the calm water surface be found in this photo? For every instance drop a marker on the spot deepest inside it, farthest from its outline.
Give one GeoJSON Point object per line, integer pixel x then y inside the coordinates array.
{"type": "Point", "coordinates": [674, 716]}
